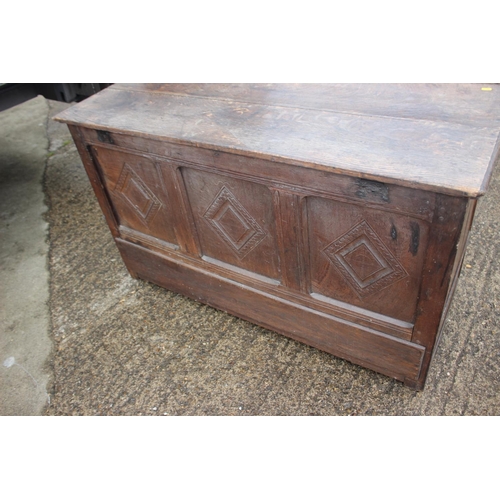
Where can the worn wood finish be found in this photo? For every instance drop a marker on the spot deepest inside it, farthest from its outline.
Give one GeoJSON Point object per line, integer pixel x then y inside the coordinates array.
{"type": "Point", "coordinates": [459, 103]}
{"type": "Point", "coordinates": [381, 140]}
{"type": "Point", "coordinates": [394, 357]}
{"type": "Point", "coordinates": [334, 214]}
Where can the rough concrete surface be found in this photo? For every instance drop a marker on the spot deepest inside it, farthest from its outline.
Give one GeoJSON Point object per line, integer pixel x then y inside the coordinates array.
{"type": "Point", "coordinates": [24, 290]}
{"type": "Point", "coordinates": [126, 347]}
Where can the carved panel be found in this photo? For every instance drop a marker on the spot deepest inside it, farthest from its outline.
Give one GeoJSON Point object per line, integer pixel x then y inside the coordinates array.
{"type": "Point", "coordinates": [364, 261]}
{"type": "Point", "coordinates": [233, 223]}
{"type": "Point", "coordinates": [368, 258]}
{"type": "Point", "coordinates": [136, 188]}
{"type": "Point", "coordinates": [135, 192]}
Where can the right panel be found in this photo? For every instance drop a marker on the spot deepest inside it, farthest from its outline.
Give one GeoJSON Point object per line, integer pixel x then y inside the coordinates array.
{"type": "Point", "coordinates": [366, 257]}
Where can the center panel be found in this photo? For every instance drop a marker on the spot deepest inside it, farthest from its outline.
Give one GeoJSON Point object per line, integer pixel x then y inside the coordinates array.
{"type": "Point", "coordinates": [234, 220]}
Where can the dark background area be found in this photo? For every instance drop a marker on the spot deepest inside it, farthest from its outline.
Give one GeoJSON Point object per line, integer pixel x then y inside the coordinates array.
{"type": "Point", "coordinates": [12, 94]}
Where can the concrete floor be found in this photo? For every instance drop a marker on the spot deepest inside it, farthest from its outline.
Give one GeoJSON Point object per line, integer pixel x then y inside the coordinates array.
{"type": "Point", "coordinates": [24, 288]}
{"type": "Point", "coordinates": [79, 336]}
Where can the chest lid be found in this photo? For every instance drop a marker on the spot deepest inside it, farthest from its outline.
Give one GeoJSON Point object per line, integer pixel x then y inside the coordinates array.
{"type": "Point", "coordinates": [440, 137]}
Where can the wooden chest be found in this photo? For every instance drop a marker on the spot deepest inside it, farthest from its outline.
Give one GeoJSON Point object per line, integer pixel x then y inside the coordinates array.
{"type": "Point", "coordinates": [334, 214]}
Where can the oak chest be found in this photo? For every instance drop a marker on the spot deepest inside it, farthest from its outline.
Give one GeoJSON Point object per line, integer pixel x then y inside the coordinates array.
{"type": "Point", "coordinates": [334, 214]}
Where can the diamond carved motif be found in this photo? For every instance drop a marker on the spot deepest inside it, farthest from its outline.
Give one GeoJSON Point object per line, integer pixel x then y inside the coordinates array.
{"type": "Point", "coordinates": [364, 261]}
{"type": "Point", "coordinates": [131, 188]}
{"type": "Point", "coordinates": [233, 223]}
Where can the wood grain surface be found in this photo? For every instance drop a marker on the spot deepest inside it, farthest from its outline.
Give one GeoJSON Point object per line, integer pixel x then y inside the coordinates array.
{"type": "Point", "coordinates": [439, 137]}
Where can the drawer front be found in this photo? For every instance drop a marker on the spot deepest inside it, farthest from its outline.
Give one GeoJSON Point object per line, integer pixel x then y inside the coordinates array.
{"type": "Point", "coordinates": [394, 357]}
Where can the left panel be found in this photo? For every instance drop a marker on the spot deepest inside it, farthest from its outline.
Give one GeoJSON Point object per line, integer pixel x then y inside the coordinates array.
{"type": "Point", "coordinates": [136, 189]}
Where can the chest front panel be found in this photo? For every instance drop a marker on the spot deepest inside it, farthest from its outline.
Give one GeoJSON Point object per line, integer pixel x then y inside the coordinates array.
{"type": "Point", "coordinates": [325, 241]}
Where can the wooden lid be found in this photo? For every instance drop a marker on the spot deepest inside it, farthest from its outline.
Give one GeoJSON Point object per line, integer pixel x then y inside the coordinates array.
{"type": "Point", "coordinates": [442, 137]}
